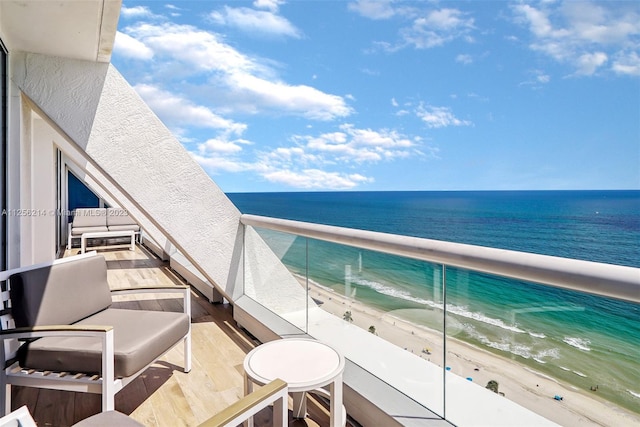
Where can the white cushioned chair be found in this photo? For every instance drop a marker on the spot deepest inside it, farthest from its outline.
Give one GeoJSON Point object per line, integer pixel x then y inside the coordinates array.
{"type": "Point", "coordinates": [71, 336]}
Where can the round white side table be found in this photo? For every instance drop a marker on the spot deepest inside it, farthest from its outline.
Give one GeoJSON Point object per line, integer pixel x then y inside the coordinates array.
{"type": "Point", "coordinates": [305, 365]}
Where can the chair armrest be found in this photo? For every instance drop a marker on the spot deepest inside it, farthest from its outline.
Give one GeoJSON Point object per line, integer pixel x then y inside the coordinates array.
{"type": "Point", "coordinates": [55, 331]}
{"type": "Point", "coordinates": [20, 417]}
{"type": "Point", "coordinates": [249, 405]}
{"type": "Point", "coordinates": [162, 289]}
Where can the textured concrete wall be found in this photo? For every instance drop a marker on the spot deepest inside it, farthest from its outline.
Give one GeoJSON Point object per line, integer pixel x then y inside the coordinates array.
{"type": "Point", "coordinates": [161, 177]}
{"type": "Point", "coordinates": [98, 111]}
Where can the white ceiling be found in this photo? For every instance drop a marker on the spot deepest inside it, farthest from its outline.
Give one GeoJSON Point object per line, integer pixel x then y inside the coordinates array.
{"type": "Point", "coordinates": [80, 29]}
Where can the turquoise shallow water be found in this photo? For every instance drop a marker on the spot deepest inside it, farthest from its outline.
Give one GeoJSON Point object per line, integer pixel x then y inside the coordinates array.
{"type": "Point", "coordinates": [579, 339]}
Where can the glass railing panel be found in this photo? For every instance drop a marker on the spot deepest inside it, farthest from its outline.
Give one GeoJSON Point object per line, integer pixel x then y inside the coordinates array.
{"type": "Point", "coordinates": [534, 343]}
{"type": "Point", "coordinates": [384, 312]}
{"type": "Point", "coordinates": [267, 281]}
{"type": "Point", "coordinates": [556, 352]}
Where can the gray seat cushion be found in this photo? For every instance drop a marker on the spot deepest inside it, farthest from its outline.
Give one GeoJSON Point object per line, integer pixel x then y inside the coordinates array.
{"type": "Point", "coordinates": [140, 337]}
{"type": "Point", "coordinates": [108, 419]}
{"type": "Point", "coordinates": [78, 231]}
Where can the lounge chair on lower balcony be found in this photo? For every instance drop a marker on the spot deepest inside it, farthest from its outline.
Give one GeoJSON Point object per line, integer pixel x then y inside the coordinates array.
{"type": "Point", "coordinates": [107, 222]}
{"type": "Point", "coordinates": [60, 331]}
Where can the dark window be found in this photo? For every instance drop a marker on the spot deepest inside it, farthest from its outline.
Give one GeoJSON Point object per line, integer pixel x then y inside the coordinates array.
{"type": "Point", "coordinates": [80, 196]}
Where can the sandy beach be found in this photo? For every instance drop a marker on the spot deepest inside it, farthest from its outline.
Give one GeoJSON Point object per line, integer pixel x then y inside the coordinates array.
{"type": "Point", "coordinates": [519, 383]}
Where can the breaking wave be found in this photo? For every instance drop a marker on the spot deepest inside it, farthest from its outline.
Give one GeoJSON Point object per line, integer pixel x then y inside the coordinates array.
{"type": "Point", "coordinates": [454, 309]}
{"type": "Point", "coordinates": [579, 343]}
{"type": "Point", "coordinates": [537, 335]}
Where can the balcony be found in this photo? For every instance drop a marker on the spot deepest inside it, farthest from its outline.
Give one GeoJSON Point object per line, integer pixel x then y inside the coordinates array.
{"type": "Point", "coordinates": [443, 339]}
{"type": "Point", "coordinates": [164, 395]}
{"type": "Point", "coordinates": [410, 361]}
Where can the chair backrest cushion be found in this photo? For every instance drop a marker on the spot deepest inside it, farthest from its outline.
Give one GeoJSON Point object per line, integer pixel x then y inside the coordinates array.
{"type": "Point", "coordinates": [117, 216]}
{"type": "Point", "coordinates": [93, 217]}
{"type": "Point", "coordinates": [60, 294]}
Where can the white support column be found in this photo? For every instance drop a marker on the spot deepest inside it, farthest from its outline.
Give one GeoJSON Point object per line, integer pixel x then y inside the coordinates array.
{"type": "Point", "coordinates": [248, 389]}
{"type": "Point", "coordinates": [108, 372]}
{"type": "Point", "coordinates": [335, 388]}
{"type": "Point", "coordinates": [280, 411]}
{"type": "Point", "coordinates": [187, 339]}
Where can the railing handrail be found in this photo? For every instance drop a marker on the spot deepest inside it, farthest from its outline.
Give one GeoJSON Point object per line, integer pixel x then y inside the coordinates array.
{"type": "Point", "coordinates": [607, 280]}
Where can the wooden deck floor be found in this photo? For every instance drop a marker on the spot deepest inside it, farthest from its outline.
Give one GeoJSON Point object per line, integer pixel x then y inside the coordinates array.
{"type": "Point", "coordinates": [164, 395]}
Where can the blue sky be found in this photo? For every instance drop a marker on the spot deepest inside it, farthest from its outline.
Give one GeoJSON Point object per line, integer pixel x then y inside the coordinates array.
{"type": "Point", "coordinates": [366, 95]}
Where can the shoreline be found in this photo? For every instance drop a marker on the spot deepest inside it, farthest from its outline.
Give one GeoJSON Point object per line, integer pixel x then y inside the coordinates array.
{"type": "Point", "coordinates": [520, 383]}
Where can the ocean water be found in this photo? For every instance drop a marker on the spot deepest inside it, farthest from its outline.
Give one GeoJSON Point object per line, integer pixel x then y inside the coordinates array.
{"type": "Point", "coordinates": [576, 338]}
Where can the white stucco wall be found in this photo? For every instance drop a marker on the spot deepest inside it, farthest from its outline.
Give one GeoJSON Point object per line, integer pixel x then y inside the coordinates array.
{"type": "Point", "coordinates": [96, 110]}
{"type": "Point", "coordinates": [43, 194]}
{"type": "Point", "coordinates": [34, 217]}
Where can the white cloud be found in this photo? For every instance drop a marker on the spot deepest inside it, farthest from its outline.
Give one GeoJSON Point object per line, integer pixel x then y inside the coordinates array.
{"type": "Point", "coordinates": [354, 145]}
{"type": "Point", "coordinates": [588, 63]}
{"type": "Point", "coordinates": [539, 22]}
{"type": "Point", "coordinates": [543, 78]}
{"type": "Point", "coordinates": [215, 164]}
{"type": "Point", "coordinates": [222, 146]}
{"type": "Point", "coordinates": [220, 154]}
{"type": "Point", "coordinates": [197, 48]}
{"type": "Point", "coordinates": [135, 12]}
{"type": "Point", "coordinates": [255, 21]}
{"type": "Point", "coordinates": [239, 82]}
{"type": "Point", "coordinates": [439, 117]}
{"type": "Point", "coordinates": [427, 27]}
{"type": "Point", "coordinates": [582, 34]}
{"type": "Point", "coordinates": [312, 161]}
{"type": "Point", "coordinates": [446, 19]}
{"type": "Point", "coordinates": [130, 47]}
{"type": "Point", "coordinates": [537, 79]}
{"type": "Point", "coordinates": [289, 166]}
{"type": "Point", "coordinates": [300, 100]}
{"type": "Point", "coordinates": [373, 9]}
{"type": "Point", "coordinates": [272, 5]}
{"type": "Point", "coordinates": [438, 27]}
{"type": "Point", "coordinates": [178, 111]}
{"type": "Point", "coordinates": [316, 179]}
{"type": "Point", "coordinates": [464, 59]}
{"type": "Point", "coordinates": [627, 63]}
{"type": "Point", "coordinates": [174, 10]}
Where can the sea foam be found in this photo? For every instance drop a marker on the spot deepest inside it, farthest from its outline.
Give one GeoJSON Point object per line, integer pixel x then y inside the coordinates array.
{"type": "Point", "coordinates": [579, 343]}
{"type": "Point", "coordinates": [537, 335]}
{"type": "Point", "coordinates": [454, 309]}
{"type": "Point", "coordinates": [516, 349]}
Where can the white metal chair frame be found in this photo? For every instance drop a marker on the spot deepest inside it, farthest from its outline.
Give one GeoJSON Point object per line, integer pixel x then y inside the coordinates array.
{"type": "Point", "coordinates": [21, 417]}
